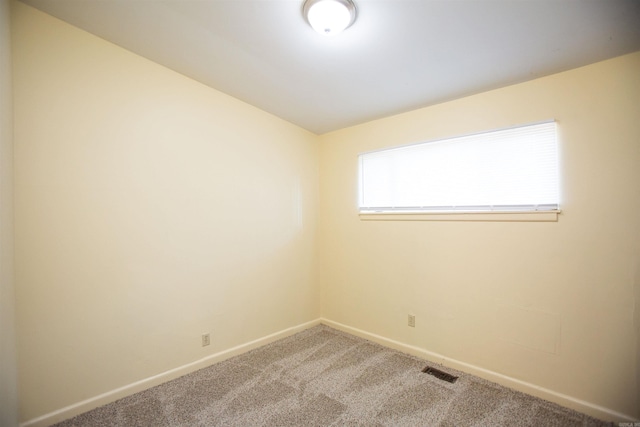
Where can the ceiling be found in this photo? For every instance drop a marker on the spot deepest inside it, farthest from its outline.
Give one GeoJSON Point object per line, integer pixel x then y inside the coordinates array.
{"type": "Point", "coordinates": [398, 56]}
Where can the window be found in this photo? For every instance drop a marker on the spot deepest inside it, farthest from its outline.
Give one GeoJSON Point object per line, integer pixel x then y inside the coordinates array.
{"type": "Point", "coordinates": [509, 170]}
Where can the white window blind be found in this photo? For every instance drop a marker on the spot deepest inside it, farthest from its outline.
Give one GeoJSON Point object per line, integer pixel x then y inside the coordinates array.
{"type": "Point", "coordinates": [507, 170]}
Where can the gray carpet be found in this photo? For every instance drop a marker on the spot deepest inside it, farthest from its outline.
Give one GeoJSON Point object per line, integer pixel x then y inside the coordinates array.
{"type": "Point", "coordinates": [323, 377]}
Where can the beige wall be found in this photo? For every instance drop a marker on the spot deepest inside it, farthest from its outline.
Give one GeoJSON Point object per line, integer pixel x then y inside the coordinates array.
{"type": "Point", "coordinates": [552, 304]}
{"type": "Point", "coordinates": [8, 390]}
{"type": "Point", "coordinates": [149, 209]}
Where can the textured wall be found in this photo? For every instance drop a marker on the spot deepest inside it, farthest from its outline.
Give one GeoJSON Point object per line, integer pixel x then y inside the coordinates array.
{"type": "Point", "coordinates": [551, 304]}
{"type": "Point", "coordinates": [149, 209]}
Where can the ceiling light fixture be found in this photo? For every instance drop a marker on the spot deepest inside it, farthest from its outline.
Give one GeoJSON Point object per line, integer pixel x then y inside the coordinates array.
{"type": "Point", "coordinates": [329, 17]}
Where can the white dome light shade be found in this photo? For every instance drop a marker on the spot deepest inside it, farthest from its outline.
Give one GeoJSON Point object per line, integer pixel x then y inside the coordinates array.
{"type": "Point", "coordinates": [329, 17]}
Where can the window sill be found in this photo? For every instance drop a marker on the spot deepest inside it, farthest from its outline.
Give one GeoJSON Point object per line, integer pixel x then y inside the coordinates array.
{"type": "Point", "coordinates": [532, 216]}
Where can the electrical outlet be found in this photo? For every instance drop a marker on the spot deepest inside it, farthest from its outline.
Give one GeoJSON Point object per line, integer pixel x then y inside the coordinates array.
{"type": "Point", "coordinates": [412, 321]}
{"type": "Point", "coordinates": [206, 339]}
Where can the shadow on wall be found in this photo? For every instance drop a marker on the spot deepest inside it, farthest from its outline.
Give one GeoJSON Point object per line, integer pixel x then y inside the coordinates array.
{"type": "Point", "coordinates": [636, 322]}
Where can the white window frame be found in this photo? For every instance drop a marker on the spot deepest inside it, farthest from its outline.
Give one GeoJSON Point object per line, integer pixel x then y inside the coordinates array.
{"type": "Point", "coordinates": [521, 212]}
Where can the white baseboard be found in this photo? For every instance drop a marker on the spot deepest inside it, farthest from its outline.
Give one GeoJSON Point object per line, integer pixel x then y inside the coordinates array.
{"type": "Point", "coordinates": [579, 405]}
{"type": "Point", "coordinates": [138, 386]}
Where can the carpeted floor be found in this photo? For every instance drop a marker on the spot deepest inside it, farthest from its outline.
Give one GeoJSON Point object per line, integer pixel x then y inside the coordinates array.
{"type": "Point", "coordinates": [323, 377]}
